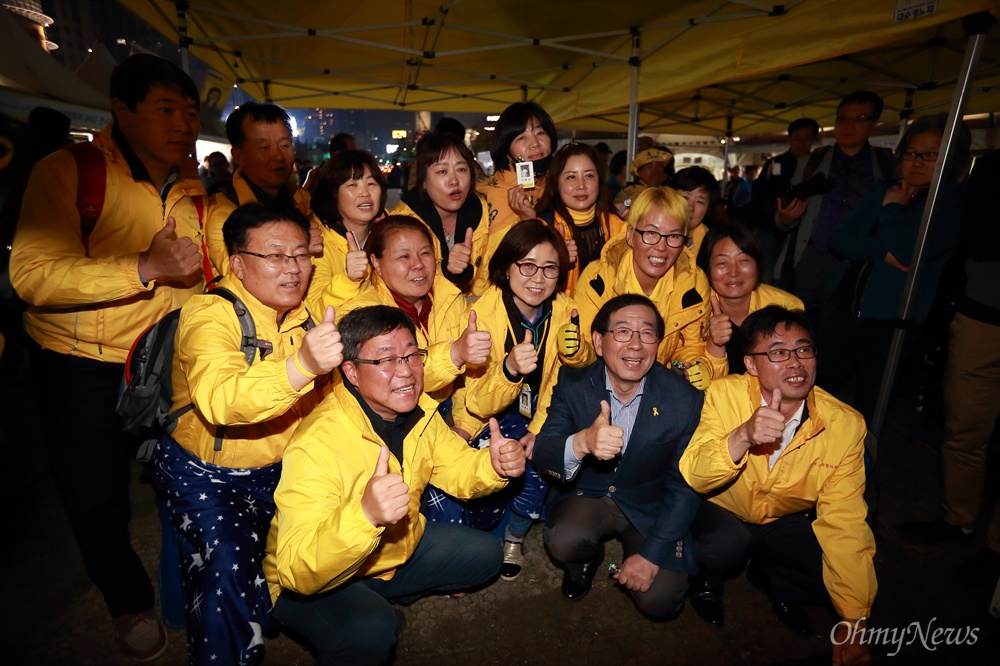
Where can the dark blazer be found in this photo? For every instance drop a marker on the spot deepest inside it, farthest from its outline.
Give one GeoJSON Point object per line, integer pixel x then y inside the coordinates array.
{"type": "Point", "coordinates": [646, 484]}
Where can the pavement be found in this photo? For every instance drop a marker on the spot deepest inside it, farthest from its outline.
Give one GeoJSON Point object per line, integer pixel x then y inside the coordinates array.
{"type": "Point", "coordinates": [52, 614]}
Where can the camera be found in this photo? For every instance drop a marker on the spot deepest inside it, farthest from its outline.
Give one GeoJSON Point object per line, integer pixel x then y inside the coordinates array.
{"type": "Point", "coordinates": [817, 184]}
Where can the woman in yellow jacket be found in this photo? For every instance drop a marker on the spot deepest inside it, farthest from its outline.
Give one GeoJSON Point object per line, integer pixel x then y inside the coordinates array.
{"type": "Point", "coordinates": [649, 259]}
{"type": "Point", "coordinates": [524, 133]}
{"type": "Point", "coordinates": [445, 201]}
{"type": "Point", "coordinates": [403, 276]}
{"type": "Point", "coordinates": [349, 195]}
{"type": "Point", "coordinates": [572, 202]}
{"type": "Point", "coordinates": [534, 332]}
{"type": "Point", "coordinates": [731, 258]}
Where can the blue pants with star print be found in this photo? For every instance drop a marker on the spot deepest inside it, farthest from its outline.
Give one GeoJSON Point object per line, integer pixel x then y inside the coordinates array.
{"type": "Point", "coordinates": [220, 517]}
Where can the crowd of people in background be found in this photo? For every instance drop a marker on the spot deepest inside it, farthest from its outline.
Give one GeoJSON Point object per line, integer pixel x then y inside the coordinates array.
{"type": "Point", "coordinates": [612, 348]}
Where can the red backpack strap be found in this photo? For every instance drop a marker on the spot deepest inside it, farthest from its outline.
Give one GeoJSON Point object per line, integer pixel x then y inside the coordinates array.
{"type": "Point", "coordinates": [206, 265]}
{"type": "Point", "coordinates": [92, 183]}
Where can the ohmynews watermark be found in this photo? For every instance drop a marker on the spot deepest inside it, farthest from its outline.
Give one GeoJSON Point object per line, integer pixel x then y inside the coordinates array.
{"type": "Point", "coordinates": [929, 636]}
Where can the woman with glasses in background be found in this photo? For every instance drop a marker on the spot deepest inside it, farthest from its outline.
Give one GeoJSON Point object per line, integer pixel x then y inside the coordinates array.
{"type": "Point", "coordinates": [349, 195]}
{"type": "Point", "coordinates": [534, 331]}
{"type": "Point", "coordinates": [651, 260]}
{"type": "Point", "coordinates": [571, 201]}
{"type": "Point", "coordinates": [876, 243]}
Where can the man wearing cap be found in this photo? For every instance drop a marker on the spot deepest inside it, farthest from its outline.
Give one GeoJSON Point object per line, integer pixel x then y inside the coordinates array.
{"type": "Point", "coordinates": [652, 167]}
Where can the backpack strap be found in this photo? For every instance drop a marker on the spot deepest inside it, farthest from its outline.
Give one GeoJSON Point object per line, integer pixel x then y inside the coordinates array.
{"type": "Point", "coordinates": [92, 183]}
{"type": "Point", "coordinates": [206, 264]}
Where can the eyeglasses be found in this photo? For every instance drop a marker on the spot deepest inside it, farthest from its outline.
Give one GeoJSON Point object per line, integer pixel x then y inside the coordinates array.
{"type": "Point", "coordinates": [854, 120]}
{"type": "Point", "coordinates": [909, 156]}
{"type": "Point", "coordinates": [782, 355]}
{"type": "Point", "coordinates": [391, 363]}
{"type": "Point", "coordinates": [650, 237]}
{"type": "Point", "coordinates": [528, 269]}
{"type": "Point", "coordinates": [646, 336]}
{"type": "Point", "coordinates": [278, 260]}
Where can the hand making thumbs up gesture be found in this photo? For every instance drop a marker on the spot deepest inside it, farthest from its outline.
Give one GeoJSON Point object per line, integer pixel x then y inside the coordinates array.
{"type": "Point", "coordinates": [720, 329]}
{"type": "Point", "coordinates": [169, 256]}
{"type": "Point", "coordinates": [321, 352]}
{"type": "Point", "coordinates": [523, 358]}
{"type": "Point", "coordinates": [386, 498]}
{"type": "Point", "coordinates": [461, 254]}
{"type": "Point", "coordinates": [356, 260]}
{"type": "Point", "coordinates": [765, 426]}
{"type": "Point", "coordinates": [507, 455]}
{"type": "Point", "coordinates": [473, 347]}
{"type": "Point", "coordinates": [601, 440]}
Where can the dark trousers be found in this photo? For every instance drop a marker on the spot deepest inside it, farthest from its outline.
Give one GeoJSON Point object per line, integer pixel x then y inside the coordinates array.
{"type": "Point", "coordinates": [786, 550]}
{"type": "Point", "coordinates": [575, 528]}
{"type": "Point", "coordinates": [89, 457]}
{"type": "Point", "coordinates": [355, 623]}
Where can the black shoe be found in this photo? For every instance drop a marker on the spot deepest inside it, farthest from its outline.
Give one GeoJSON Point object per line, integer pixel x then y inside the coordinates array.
{"type": "Point", "coordinates": [575, 589]}
{"type": "Point", "coordinates": [934, 531]}
{"type": "Point", "coordinates": [794, 616]}
{"type": "Point", "coordinates": [706, 599]}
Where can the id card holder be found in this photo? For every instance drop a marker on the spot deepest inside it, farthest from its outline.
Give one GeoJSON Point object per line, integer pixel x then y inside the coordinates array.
{"type": "Point", "coordinates": [525, 174]}
{"type": "Point", "coordinates": [524, 401]}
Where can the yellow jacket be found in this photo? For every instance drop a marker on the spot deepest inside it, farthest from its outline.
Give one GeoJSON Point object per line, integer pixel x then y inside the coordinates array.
{"type": "Point", "coordinates": [695, 238]}
{"type": "Point", "coordinates": [681, 296]}
{"type": "Point", "coordinates": [822, 467]}
{"type": "Point", "coordinates": [222, 208]}
{"type": "Point", "coordinates": [320, 537]}
{"type": "Point", "coordinates": [93, 304]}
{"type": "Point", "coordinates": [612, 226]}
{"type": "Point", "coordinates": [446, 323]}
{"type": "Point", "coordinates": [487, 389]}
{"type": "Point", "coordinates": [329, 284]}
{"type": "Point", "coordinates": [494, 189]}
{"type": "Point", "coordinates": [257, 405]}
{"type": "Point", "coordinates": [480, 240]}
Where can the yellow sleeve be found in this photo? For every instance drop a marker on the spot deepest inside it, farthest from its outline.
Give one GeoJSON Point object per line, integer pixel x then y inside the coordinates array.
{"type": "Point", "coordinates": [223, 388]}
{"type": "Point", "coordinates": [847, 541]}
{"type": "Point", "coordinates": [706, 463]}
{"type": "Point", "coordinates": [329, 284]}
{"type": "Point", "coordinates": [49, 266]}
{"type": "Point", "coordinates": [480, 245]}
{"type": "Point", "coordinates": [219, 212]}
{"type": "Point", "coordinates": [439, 369]}
{"type": "Point", "coordinates": [323, 535]}
{"type": "Point", "coordinates": [588, 301]}
{"type": "Point", "coordinates": [460, 470]}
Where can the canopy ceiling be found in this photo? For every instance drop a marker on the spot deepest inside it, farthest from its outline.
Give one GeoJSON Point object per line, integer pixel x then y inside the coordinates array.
{"type": "Point", "coordinates": [573, 58]}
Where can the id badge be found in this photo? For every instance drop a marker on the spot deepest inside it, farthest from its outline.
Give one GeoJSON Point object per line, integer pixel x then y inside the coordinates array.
{"type": "Point", "coordinates": [524, 401]}
{"type": "Point", "coordinates": [525, 174]}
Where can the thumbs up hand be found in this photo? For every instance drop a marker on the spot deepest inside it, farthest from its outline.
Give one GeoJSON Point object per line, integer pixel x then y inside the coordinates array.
{"type": "Point", "coordinates": [473, 347]}
{"type": "Point", "coordinates": [523, 358]}
{"type": "Point", "coordinates": [601, 440]}
{"type": "Point", "coordinates": [168, 256]}
{"type": "Point", "coordinates": [386, 498]}
{"type": "Point", "coordinates": [461, 254]}
{"type": "Point", "coordinates": [507, 455]}
{"type": "Point", "coordinates": [698, 375]}
{"type": "Point", "coordinates": [765, 427]}
{"type": "Point", "coordinates": [569, 335]}
{"type": "Point", "coordinates": [720, 328]}
{"type": "Point", "coordinates": [356, 260]}
{"type": "Point", "coordinates": [315, 239]}
{"type": "Point", "coordinates": [321, 349]}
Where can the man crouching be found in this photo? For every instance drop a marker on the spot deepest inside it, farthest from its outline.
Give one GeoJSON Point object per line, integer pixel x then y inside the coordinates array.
{"type": "Point", "coordinates": [348, 537]}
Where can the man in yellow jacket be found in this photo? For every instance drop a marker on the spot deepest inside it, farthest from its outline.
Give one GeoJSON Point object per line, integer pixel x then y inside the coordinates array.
{"type": "Point", "coordinates": [217, 470]}
{"type": "Point", "coordinates": [348, 537]}
{"type": "Point", "coordinates": [782, 463]}
{"type": "Point", "coordinates": [90, 294]}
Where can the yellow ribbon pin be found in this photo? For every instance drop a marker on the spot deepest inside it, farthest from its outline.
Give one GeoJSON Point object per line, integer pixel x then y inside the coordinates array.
{"type": "Point", "coordinates": [656, 412]}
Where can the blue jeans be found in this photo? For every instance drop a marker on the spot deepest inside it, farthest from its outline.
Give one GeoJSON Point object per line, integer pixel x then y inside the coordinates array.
{"type": "Point", "coordinates": [355, 623]}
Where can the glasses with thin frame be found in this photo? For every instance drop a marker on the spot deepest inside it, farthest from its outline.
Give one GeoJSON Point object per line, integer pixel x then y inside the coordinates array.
{"type": "Point", "coordinates": [623, 334]}
{"type": "Point", "coordinates": [391, 363]}
{"type": "Point", "coordinates": [279, 260]}
{"type": "Point", "coordinates": [650, 237]}
{"type": "Point", "coordinates": [854, 120]}
{"type": "Point", "coordinates": [910, 155]}
{"type": "Point", "coordinates": [528, 269]}
{"type": "Point", "coordinates": [782, 355]}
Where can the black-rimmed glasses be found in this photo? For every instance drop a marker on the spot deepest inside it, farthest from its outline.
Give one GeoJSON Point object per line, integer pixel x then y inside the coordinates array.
{"type": "Point", "coordinates": [279, 260]}
{"type": "Point", "coordinates": [390, 363]}
{"type": "Point", "coordinates": [650, 237]}
{"type": "Point", "coordinates": [528, 269]}
{"type": "Point", "coordinates": [910, 155]}
{"type": "Point", "coordinates": [782, 355]}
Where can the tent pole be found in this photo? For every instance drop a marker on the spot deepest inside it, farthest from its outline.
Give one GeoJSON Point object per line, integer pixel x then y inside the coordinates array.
{"type": "Point", "coordinates": [725, 156]}
{"type": "Point", "coordinates": [976, 27]}
{"type": "Point", "coordinates": [633, 99]}
{"type": "Point", "coordinates": [182, 37]}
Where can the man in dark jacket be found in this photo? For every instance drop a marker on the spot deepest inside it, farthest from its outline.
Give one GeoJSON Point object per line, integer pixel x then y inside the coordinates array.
{"type": "Point", "coordinates": [614, 435]}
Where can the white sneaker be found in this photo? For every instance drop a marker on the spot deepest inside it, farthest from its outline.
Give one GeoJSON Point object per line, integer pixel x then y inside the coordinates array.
{"type": "Point", "coordinates": [513, 560]}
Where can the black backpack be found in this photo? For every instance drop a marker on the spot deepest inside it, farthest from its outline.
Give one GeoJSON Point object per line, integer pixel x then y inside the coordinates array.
{"type": "Point", "coordinates": [147, 395]}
